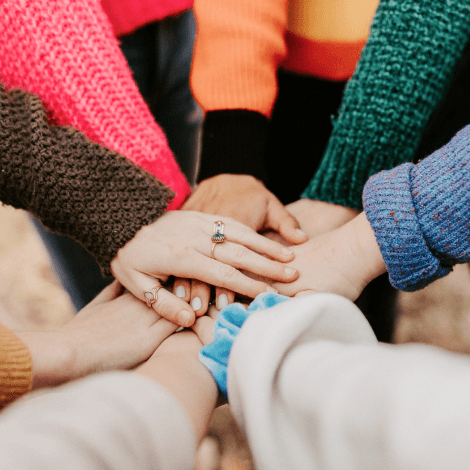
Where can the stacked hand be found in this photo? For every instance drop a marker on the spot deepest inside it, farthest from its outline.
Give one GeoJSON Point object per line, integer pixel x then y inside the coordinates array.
{"type": "Point", "coordinates": [179, 244]}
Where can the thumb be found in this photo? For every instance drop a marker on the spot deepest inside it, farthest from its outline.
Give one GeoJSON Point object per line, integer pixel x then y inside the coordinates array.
{"type": "Point", "coordinates": [282, 221]}
{"type": "Point", "coordinates": [111, 292]}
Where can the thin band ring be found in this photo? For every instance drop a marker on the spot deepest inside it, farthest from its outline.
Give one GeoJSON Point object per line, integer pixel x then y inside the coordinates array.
{"type": "Point", "coordinates": [151, 296]}
{"type": "Point", "coordinates": [212, 250]}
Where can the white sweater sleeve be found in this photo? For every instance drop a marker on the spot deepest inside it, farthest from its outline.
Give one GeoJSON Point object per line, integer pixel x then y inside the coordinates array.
{"type": "Point", "coordinates": [115, 421]}
{"type": "Point", "coordinates": [312, 389]}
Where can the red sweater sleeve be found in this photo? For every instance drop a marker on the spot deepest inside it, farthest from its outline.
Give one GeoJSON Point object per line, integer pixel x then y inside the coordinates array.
{"type": "Point", "coordinates": [65, 52]}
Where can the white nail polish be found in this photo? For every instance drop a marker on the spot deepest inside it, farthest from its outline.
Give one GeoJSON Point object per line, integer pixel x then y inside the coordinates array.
{"type": "Point", "coordinates": [222, 301]}
{"type": "Point", "coordinates": [196, 303]}
{"type": "Point", "coordinates": [289, 271]}
{"type": "Point", "coordinates": [287, 252]}
{"type": "Point", "coordinates": [300, 231]}
{"type": "Point", "coordinates": [180, 292]}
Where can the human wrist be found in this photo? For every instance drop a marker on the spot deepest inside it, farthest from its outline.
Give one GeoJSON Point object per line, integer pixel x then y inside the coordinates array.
{"type": "Point", "coordinates": [366, 248]}
{"type": "Point", "coordinates": [53, 358]}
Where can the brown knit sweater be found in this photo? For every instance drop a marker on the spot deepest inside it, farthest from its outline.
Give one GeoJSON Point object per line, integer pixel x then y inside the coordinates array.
{"type": "Point", "coordinates": [74, 187]}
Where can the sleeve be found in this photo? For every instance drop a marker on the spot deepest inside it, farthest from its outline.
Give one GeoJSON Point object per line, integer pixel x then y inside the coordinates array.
{"type": "Point", "coordinates": [239, 47]}
{"type": "Point", "coordinates": [65, 52]}
{"type": "Point", "coordinates": [16, 369]}
{"type": "Point", "coordinates": [110, 421]}
{"type": "Point", "coordinates": [402, 75]}
{"type": "Point", "coordinates": [420, 214]}
{"type": "Point", "coordinates": [73, 186]}
{"type": "Point", "coordinates": [312, 388]}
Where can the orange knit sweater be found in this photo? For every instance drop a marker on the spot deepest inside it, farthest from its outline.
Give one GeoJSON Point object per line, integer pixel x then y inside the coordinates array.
{"type": "Point", "coordinates": [241, 44]}
{"type": "Point", "coordinates": [16, 368]}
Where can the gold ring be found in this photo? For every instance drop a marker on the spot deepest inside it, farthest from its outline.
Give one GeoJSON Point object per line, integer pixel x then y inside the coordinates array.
{"type": "Point", "coordinates": [151, 296]}
{"type": "Point", "coordinates": [218, 236]}
{"type": "Point", "coordinates": [212, 250]}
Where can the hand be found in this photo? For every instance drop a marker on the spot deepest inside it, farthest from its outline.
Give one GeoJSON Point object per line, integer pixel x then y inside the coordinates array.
{"type": "Point", "coordinates": [342, 261]}
{"type": "Point", "coordinates": [179, 244]}
{"type": "Point", "coordinates": [244, 198]}
{"type": "Point", "coordinates": [112, 332]}
{"type": "Point", "coordinates": [318, 217]}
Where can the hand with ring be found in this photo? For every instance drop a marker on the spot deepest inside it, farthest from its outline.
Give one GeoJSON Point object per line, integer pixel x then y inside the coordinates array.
{"type": "Point", "coordinates": [181, 244]}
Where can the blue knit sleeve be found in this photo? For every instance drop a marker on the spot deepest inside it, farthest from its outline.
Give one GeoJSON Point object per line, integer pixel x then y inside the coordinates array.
{"type": "Point", "coordinates": [420, 214]}
{"type": "Point", "coordinates": [215, 355]}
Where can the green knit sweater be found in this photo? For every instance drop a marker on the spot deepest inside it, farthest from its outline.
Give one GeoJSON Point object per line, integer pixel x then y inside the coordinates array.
{"type": "Point", "coordinates": [74, 186]}
{"type": "Point", "coordinates": [403, 73]}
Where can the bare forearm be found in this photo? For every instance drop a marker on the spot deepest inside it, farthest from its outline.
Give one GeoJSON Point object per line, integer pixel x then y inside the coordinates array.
{"type": "Point", "coordinates": [177, 369]}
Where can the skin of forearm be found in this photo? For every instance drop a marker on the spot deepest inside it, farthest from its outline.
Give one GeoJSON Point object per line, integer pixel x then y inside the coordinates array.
{"type": "Point", "coordinates": [52, 357]}
{"type": "Point", "coordinates": [179, 371]}
{"type": "Point", "coordinates": [365, 247]}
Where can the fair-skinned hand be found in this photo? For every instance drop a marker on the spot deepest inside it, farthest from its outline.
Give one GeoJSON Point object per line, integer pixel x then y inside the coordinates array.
{"type": "Point", "coordinates": [318, 217]}
{"type": "Point", "coordinates": [246, 199]}
{"type": "Point", "coordinates": [112, 332]}
{"type": "Point", "coordinates": [179, 244]}
{"type": "Point", "coordinates": [342, 261]}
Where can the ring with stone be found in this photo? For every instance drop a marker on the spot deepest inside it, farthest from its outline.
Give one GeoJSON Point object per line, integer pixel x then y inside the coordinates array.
{"type": "Point", "coordinates": [151, 296]}
{"type": "Point", "coordinates": [218, 236]}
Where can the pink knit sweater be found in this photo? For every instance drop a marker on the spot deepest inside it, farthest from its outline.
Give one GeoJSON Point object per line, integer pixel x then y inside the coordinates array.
{"type": "Point", "coordinates": [65, 52]}
{"type": "Point", "coordinates": [128, 15]}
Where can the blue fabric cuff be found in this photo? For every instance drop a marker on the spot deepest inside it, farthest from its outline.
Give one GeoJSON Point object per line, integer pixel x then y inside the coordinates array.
{"type": "Point", "coordinates": [388, 204]}
{"type": "Point", "coordinates": [215, 355]}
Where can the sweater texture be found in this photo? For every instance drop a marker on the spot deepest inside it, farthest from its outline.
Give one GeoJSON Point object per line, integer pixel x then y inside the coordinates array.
{"type": "Point", "coordinates": [73, 186]}
{"type": "Point", "coordinates": [403, 73]}
{"type": "Point", "coordinates": [420, 214]}
{"type": "Point", "coordinates": [16, 369]}
{"type": "Point", "coordinates": [128, 15]}
{"type": "Point", "coordinates": [65, 52]}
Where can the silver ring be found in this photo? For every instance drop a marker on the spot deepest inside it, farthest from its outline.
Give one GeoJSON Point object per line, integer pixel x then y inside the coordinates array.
{"type": "Point", "coordinates": [151, 296]}
{"type": "Point", "coordinates": [218, 236]}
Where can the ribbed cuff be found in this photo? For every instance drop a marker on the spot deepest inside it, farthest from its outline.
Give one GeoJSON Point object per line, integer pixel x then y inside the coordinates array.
{"type": "Point", "coordinates": [388, 204]}
{"type": "Point", "coordinates": [233, 142]}
{"type": "Point", "coordinates": [16, 368]}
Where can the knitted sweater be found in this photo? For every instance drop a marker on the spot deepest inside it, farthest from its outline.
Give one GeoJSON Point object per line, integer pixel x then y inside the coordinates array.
{"type": "Point", "coordinates": [65, 52]}
{"type": "Point", "coordinates": [420, 214]}
{"type": "Point", "coordinates": [402, 75]}
{"type": "Point", "coordinates": [74, 186]}
{"type": "Point", "coordinates": [128, 15]}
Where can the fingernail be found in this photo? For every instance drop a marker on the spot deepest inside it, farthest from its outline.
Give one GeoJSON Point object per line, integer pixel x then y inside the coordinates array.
{"type": "Point", "coordinates": [222, 301]}
{"type": "Point", "coordinates": [289, 271]}
{"type": "Point", "coordinates": [301, 232]}
{"type": "Point", "coordinates": [183, 318]}
{"type": "Point", "coordinates": [271, 289]}
{"type": "Point", "coordinates": [180, 292]}
{"type": "Point", "coordinates": [196, 303]}
{"type": "Point", "coordinates": [287, 252]}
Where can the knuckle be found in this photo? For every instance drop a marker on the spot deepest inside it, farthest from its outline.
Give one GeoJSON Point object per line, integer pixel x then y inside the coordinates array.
{"type": "Point", "coordinates": [240, 253]}
{"type": "Point", "coordinates": [164, 306]}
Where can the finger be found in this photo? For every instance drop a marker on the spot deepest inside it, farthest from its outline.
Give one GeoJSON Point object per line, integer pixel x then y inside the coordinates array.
{"type": "Point", "coordinates": [182, 289]}
{"type": "Point", "coordinates": [241, 234]}
{"type": "Point", "coordinates": [167, 305]}
{"type": "Point", "coordinates": [219, 274]}
{"type": "Point", "coordinates": [114, 290]}
{"type": "Point", "coordinates": [279, 219]}
{"type": "Point", "coordinates": [200, 296]}
{"type": "Point", "coordinates": [161, 330]}
{"type": "Point", "coordinates": [241, 257]}
{"type": "Point", "coordinates": [223, 297]}
{"type": "Point", "coordinates": [204, 328]}
{"type": "Point", "coordinates": [213, 312]}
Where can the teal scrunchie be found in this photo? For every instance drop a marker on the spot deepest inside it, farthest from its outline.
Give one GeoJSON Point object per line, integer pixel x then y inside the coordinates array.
{"type": "Point", "coordinates": [227, 327]}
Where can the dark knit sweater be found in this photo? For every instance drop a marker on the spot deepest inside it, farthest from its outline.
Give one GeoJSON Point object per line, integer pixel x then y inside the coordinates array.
{"type": "Point", "coordinates": [404, 69]}
{"type": "Point", "coordinates": [421, 214]}
{"type": "Point", "coordinates": [72, 185]}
